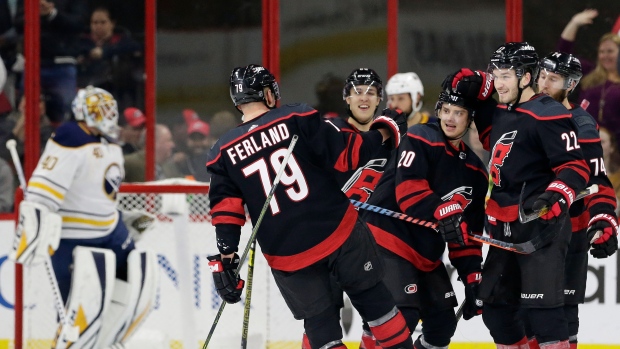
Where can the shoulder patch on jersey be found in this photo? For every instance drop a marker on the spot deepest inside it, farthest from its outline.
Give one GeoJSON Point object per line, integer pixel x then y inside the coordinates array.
{"type": "Point", "coordinates": [71, 135]}
{"type": "Point", "coordinates": [586, 125]}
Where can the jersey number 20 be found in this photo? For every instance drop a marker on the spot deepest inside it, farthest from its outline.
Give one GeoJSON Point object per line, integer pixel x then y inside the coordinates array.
{"type": "Point", "coordinates": [292, 174]}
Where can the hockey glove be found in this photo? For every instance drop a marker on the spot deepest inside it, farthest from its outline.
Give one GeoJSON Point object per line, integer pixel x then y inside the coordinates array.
{"type": "Point", "coordinates": [451, 223]}
{"type": "Point", "coordinates": [473, 305]}
{"type": "Point", "coordinates": [471, 84]}
{"type": "Point", "coordinates": [399, 118]}
{"type": "Point", "coordinates": [603, 229]}
{"type": "Point", "coordinates": [553, 204]}
{"type": "Point", "coordinates": [229, 286]}
{"type": "Point", "coordinates": [388, 123]}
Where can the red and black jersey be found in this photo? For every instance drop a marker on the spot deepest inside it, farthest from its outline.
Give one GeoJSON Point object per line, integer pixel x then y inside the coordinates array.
{"type": "Point", "coordinates": [309, 217]}
{"type": "Point", "coordinates": [426, 171]}
{"type": "Point", "coordinates": [590, 142]}
{"type": "Point", "coordinates": [536, 143]}
{"type": "Point", "coordinates": [359, 183]}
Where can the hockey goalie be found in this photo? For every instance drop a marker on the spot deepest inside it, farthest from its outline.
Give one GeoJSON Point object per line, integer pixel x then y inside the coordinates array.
{"type": "Point", "coordinates": [104, 286]}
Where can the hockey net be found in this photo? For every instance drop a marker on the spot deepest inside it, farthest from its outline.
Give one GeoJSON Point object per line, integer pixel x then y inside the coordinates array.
{"type": "Point", "coordinates": [182, 237]}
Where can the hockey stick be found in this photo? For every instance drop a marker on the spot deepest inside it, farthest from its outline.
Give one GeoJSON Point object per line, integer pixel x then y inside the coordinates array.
{"type": "Point", "coordinates": [523, 248]}
{"type": "Point", "coordinates": [524, 218]}
{"type": "Point", "coordinates": [248, 297]}
{"type": "Point", "coordinates": [255, 231]}
{"type": "Point", "coordinates": [71, 332]}
{"type": "Point", "coordinates": [459, 312]}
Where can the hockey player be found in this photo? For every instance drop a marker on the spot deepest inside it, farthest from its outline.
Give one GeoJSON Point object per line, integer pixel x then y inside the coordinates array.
{"type": "Point", "coordinates": [70, 210]}
{"type": "Point", "coordinates": [432, 176]}
{"type": "Point", "coordinates": [535, 148]}
{"type": "Point", "coordinates": [559, 73]}
{"type": "Point", "coordinates": [302, 251]}
{"type": "Point", "coordinates": [405, 92]}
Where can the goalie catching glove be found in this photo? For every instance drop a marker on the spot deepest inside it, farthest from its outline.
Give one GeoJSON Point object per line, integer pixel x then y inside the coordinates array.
{"type": "Point", "coordinates": [473, 305]}
{"type": "Point", "coordinates": [603, 229]}
{"type": "Point", "coordinates": [451, 223]}
{"type": "Point", "coordinates": [471, 84]}
{"type": "Point", "coordinates": [394, 121]}
{"type": "Point", "coordinates": [229, 286]}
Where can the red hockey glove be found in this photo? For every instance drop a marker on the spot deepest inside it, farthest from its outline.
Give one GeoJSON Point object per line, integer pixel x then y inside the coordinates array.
{"type": "Point", "coordinates": [471, 84]}
{"type": "Point", "coordinates": [554, 202]}
{"type": "Point", "coordinates": [603, 229]}
{"type": "Point", "coordinates": [228, 286]}
{"type": "Point", "coordinates": [473, 305]}
{"type": "Point", "coordinates": [390, 122]}
{"type": "Point", "coordinates": [451, 223]}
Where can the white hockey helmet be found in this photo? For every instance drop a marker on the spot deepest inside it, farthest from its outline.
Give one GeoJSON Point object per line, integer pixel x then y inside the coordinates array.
{"type": "Point", "coordinates": [98, 108]}
{"type": "Point", "coordinates": [406, 83]}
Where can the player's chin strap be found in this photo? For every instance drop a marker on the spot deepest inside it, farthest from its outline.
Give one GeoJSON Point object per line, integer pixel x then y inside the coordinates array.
{"type": "Point", "coordinates": [511, 107]}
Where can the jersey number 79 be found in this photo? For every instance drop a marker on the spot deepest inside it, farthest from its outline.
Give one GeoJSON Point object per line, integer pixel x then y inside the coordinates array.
{"type": "Point", "coordinates": [292, 174]}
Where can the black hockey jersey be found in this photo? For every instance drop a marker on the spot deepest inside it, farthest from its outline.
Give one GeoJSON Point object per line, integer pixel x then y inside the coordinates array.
{"type": "Point", "coordinates": [309, 217]}
{"type": "Point", "coordinates": [535, 143]}
{"type": "Point", "coordinates": [359, 183]}
{"type": "Point", "coordinates": [425, 172]}
{"type": "Point", "coordinates": [590, 142]}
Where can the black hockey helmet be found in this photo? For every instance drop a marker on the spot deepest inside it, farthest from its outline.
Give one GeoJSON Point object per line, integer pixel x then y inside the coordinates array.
{"type": "Point", "coordinates": [362, 76]}
{"type": "Point", "coordinates": [563, 64]}
{"type": "Point", "coordinates": [455, 98]}
{"type": "Point", "coordinates": [247, 84]}
{"type": "Point", "coordinates": [520, 56]}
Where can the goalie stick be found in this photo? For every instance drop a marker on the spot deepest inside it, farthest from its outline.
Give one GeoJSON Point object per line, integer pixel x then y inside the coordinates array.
{"type": "Point", "coordinates": [523, 247]}
{"type": "Point", "coordinates": [276, 181]}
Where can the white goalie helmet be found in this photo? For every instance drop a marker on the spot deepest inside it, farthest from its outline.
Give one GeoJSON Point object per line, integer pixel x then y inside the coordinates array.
{"type": "Point", "coordinates": [406, 83]}
{"type": "Point", "coordinates": [98, 108]}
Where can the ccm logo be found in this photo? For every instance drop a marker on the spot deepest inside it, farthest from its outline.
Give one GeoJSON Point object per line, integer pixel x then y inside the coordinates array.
{"type": "Point", "coordinates": [445, 210]}
{"type": "Point", "coordinates": [569, 292]}
{"type": "Point", "coordinates": [411, 288]}
{"type": "Point", "coordinates": [215, 267]}
{"type": "Point", "coordinates": [532, 295]}
{"type": "Point", "coordinates": [449, 294]}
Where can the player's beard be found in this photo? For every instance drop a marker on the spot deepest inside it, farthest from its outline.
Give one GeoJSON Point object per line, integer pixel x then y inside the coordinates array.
{"type": "Point", "coordinates": [559, 95]}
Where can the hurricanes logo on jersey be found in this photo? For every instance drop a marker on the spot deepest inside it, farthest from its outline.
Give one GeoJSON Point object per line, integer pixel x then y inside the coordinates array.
{"type": "Point", "coordinates": [363, 182]}
{"type": "Point", "coordinates": [500, 152]}
{"type": "Point", "coordinates": [459, 195]}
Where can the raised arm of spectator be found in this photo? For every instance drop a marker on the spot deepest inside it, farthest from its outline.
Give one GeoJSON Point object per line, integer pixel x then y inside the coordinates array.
{"type": "Point", "coordinates": [567, 38]}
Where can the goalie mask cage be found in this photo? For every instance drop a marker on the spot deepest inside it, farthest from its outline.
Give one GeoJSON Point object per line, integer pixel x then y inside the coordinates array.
{"type": "Point", "coordinates": [182, 237]}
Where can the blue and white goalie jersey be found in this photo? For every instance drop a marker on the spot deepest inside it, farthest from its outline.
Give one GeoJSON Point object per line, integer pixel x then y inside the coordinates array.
{"type": "Point", "coordinates": [78, 175]}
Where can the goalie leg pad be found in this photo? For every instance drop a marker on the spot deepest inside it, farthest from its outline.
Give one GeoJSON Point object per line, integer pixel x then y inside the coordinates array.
{"type": "Point", "coordinates": [37, 235]}
{"type": "Point", "coordinates": [133, 299]}
{"type": "Point", "coordinates": [90, 295]}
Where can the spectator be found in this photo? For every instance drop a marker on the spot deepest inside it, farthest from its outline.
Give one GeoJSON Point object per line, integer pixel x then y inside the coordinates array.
{"type": "Point", "coordinates": [135, 163]}
{"type": "Point", "coordinates": [222, 122]}
{"type": "Point", "coordinates": [109, 58]}
{"type": "Point", "coordinates": [130, 134]}
{"type": "Point", "coordinates": [610, 158]}
{"type": "Point", "coordinates": [193, 164]}
{"type": "Point", "coordinates": [7, 187]}
{"type": "Point", "coordinates": [12, 127]}
{"type": "Point", "coordinates": [179, 132]}
{"type": "Point", "coordinates": [600, 86]}
{"type": "Point", "coordinates": [61, 23]}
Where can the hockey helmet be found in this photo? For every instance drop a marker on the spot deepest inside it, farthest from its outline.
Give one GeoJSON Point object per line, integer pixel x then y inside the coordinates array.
{"type": "Point", "coordinates": [519, 56]}
{"type": "Point", "coordinates": [406, 83]}
{"type": "Point", "coordinates": [247, 84]}
{"type": "Point", "coordinates": [452, 97]}
{"type": "Point", "coordinates": [98, 108]}
{"type": "Point", "coordinates": [563, 64]}
{"type": "Point", "coordinates": [362, 76]}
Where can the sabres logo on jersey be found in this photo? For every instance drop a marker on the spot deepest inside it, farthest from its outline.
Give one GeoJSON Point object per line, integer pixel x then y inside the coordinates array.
{"type": "Point", "coordinates": [460, 195]}
{"type": "Point", "coordinates": [363, 182]}
{"type": "Point", "coordinates": [500, 152]}
{"type": "Point", "coordinates": [112, 180]}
